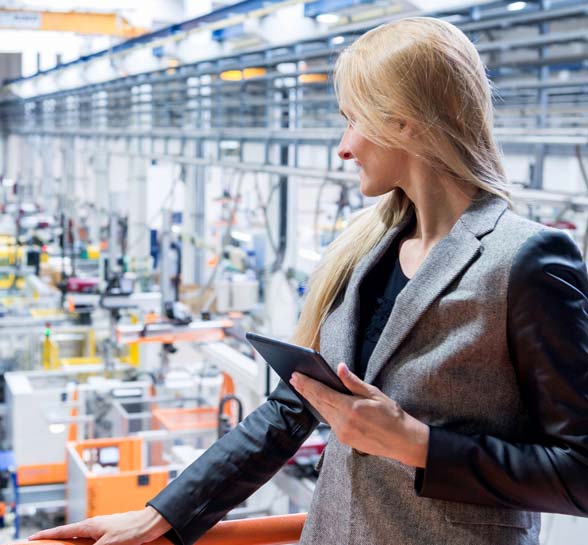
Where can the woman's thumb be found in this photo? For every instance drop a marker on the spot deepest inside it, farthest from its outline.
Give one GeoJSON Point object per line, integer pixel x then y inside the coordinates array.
{"type": "Point", "coordinates": [352, 381]}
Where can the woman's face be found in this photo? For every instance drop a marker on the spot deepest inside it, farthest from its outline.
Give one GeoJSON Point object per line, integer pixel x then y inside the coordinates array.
{"type": "Point", "coordinates": [381, 169]}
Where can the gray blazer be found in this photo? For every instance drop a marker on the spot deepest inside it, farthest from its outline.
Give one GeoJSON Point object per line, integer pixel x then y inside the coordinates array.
{"type": "Point", "coordinates": [443, 356]}
{"type": "Point", "coordinates": [488, 345]}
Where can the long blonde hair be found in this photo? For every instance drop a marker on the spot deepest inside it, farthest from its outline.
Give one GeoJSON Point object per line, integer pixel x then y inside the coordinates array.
{"type": "Point", "coordinates": [426, 72]}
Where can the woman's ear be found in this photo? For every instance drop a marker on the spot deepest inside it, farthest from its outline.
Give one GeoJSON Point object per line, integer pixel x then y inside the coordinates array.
{"type": "Point", "coordinates": [405, 129]}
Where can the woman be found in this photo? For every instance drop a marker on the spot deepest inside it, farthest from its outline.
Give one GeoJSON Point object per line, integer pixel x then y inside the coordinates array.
{"type": "Point", "coordinates": [464, 325]}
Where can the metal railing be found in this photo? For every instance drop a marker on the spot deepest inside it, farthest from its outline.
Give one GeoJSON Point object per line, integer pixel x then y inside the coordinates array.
{"type": "Point", "coordinates": [276, 530]}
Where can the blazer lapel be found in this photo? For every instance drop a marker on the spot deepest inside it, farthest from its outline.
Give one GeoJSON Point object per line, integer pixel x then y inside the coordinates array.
{"type": "Point", "coordinates": [342, 330]}
{"type": "Point", "coordinates": [445, 262]}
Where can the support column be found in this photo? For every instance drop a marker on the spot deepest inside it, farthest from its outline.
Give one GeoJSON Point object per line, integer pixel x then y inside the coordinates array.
{"type": "Point", "coordinates": [194, 226]}
{"type": "Point", "coordinates": [5, 156]}
{"type": "Point", "coordinates": [543, 100]}
{"type": "Point", "coordinates": [165, 265]}
{"type": "Point", "coordinates": [27, 167]}
{"type": "Point", "coordinates": [101, 192]}
{"type": "Point", "coordinates": [47, 189]}
{"type": "Point", "coordinates": [138, 237]}
{"type": "Point", "coordinates": [68, 180]}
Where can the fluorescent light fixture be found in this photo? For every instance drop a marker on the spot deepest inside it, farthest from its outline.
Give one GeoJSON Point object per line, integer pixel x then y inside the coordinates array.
{"type": "Point", "coordinates": [286, 67]}
{"type": "Point", "coordinates": [56, 428]}
{"type": "Point", "coordinates": [243, 237]}
{"type": "Point", "coordinates": [516, 6]}
{"type": "Point", "coordinates": [338, 40]}
{"type": "Point", "coordinates": [327, 18]}
{"type": "Point", "coordinates": [229, 144]}
{"type": "Point", "coordinates": [311, 255]}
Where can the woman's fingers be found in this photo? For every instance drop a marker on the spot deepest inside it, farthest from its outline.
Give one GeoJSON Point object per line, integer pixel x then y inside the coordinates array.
{"type": "Point", "coordinates": [130, 528]}
{"type": "Point", "coordinates": [68, 531]}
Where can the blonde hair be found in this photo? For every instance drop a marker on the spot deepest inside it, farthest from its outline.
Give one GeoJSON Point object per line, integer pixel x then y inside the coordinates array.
{"type": "Point", "coordinates": [426, 72]}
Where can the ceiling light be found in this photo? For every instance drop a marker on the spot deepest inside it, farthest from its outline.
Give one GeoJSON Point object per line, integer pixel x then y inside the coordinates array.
{"type": "Point", "coordinates": [327, 18]}
{"type": "Point", "coordinates": [231, 75]}
{"type": "Point", "coordinates": [229, 144]}
{"type": "Point", "coordinates": [337, 40]}
{"type": "Point", "coordinates": [516, 6]}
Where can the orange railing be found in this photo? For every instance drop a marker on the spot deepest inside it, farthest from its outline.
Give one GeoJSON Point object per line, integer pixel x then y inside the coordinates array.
{"type": "Point", "coordinates": [278, 530]}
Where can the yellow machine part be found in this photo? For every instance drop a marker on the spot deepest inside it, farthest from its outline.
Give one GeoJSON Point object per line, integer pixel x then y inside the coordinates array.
{"type": "Point", "coordinates": [93, 251]}
{"type": "Point", "coordinates": [91, 344]}
{"type": "Point", "coordinates": [83, 360]}
{"type": "Point", "coordinates": [7, 282]}
{"type": "Point", "coordinates": [45, 313]}
{"type": "Point", "coordinates": [132, 357]}
{"type": "Point", "coordinates": [9, 254]}
{"type": "Point", "coordinates": [50, 354]}
{"type": "Point", "coordinates": [133, 350]}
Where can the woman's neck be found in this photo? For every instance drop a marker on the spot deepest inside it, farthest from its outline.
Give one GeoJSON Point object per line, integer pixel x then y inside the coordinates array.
{"type": "Point", "coordinates": [438, 205]}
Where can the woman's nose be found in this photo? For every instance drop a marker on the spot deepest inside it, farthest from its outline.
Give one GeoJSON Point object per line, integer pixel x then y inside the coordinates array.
{"type": "Point", "coordinates": [344, 153]}
{"type": "Point", "coordinates": [343, 150]}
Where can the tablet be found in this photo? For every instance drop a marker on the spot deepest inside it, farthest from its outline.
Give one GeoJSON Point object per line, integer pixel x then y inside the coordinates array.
{"type": "Point", "coordinates": [285, 358]}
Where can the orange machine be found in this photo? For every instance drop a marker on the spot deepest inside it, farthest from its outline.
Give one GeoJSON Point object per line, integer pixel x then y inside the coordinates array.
{"type": "Point", "coordinates": [194, 418]}
{"type": "Point", "coordinates": [108, 476]}
{"type": "Point", "coordinates": [39, 474]}
{"type": "Point", "coordinates": [167, 333]}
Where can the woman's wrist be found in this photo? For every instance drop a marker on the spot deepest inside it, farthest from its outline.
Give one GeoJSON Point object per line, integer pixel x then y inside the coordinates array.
{"type": "Point", "coordinates": [155, 524]}
{"type": "Point", "coordinates": [416, 445]}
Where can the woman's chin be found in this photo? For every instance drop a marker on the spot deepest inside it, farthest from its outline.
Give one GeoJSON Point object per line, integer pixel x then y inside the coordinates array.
{"type": "Point", "coordinates": [366, 188]}
{"type": "Point", "coordinates": [371, 190]}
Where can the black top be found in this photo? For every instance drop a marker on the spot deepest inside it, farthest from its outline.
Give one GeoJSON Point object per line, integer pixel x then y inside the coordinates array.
{"type": "Point", "coordinates": [378, 293]}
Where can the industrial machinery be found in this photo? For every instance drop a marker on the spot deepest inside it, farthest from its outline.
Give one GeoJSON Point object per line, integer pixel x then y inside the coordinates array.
{"type": "Point", "coordinates": [56, 407]}
{"type": "Point", "coordinates": [107, 476]}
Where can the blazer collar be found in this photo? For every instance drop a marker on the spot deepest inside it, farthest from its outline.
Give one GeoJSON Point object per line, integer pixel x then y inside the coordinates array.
{"type": "Point", "coordinates": [483, 214]}
{"type": "Point", "coordinates": [343, 340]}
{"type": "Point", "coordinates": [445, 262]}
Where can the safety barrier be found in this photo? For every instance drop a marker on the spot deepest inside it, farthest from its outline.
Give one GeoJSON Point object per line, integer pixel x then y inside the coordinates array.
{"type": "Point", "coordinates": [276, 530]}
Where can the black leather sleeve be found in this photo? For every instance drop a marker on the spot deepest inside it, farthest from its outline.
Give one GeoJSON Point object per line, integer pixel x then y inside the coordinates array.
{"type": "Point", "coordinates": [548, 342]}
{"type": "Point", "coordinates": [235, 466]}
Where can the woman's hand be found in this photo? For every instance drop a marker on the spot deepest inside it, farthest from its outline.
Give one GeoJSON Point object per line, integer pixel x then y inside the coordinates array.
{"type": "Point", "coordinates": [369, 421]}
{"type": "Point", "coordinates": [132, 528]}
